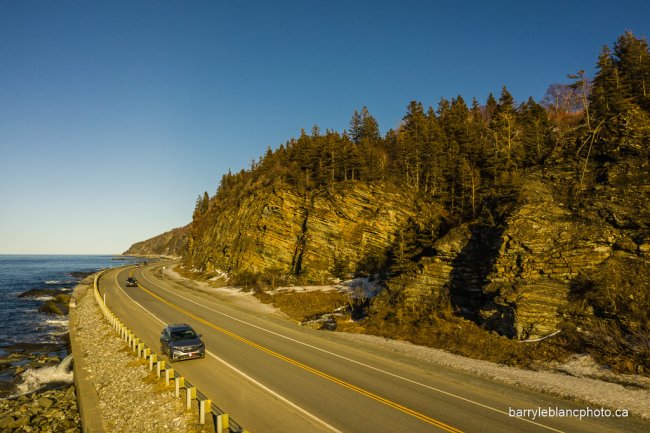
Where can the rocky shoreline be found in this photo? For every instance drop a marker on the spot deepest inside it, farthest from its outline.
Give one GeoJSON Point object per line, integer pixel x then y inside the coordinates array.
{"type": "Point", "coordinates": [48, 411]}
{"type": "Point", "coordinates": [129, 397]}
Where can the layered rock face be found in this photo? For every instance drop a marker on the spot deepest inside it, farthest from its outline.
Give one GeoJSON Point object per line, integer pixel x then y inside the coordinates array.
{"type": "Point", "coordinates": [544, 249]}
{"type": "Point", "coordinates": [519, 278]}
{"type": "Point", "coordinates": [317, 235]}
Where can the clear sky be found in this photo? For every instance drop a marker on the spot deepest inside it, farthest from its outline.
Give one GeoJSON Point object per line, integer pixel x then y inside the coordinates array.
{"type": "Point", "coordinates": [115, 115]}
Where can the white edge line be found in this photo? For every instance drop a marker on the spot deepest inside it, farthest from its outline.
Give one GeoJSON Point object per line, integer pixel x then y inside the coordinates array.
{"type": "Point", "coordinates": [238, 371]}
{"type": "Point", "coordinates": [356, 362]}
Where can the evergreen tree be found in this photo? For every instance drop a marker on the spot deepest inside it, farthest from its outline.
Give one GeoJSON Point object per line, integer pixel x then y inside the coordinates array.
{"type": "Point", "coordinates": [412, 136]}
{"type": "Point", "coordinates": [355, 131]}
{"type": "Point", "coordinates": [619, 98]}
{"type": "Point", "coordinates": [633, 60]}
{"type": "Point", "coordinates": [433, 156]}
{"type": "Point", "coordinates": [505, 137]}
{"type": "Point", "coordinates": [535, 131]}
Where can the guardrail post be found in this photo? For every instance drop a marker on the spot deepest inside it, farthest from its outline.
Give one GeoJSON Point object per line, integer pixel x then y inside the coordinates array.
{"type": "Point", "coordinates": [140, 349]}
{"type": "Point", "coordinates": [179, 383]}
{"type": "Point", "coordinates": [160, 366]}
{"type": "Point", "coordinates": [136, 341]}
{"type": "Point", "coordinates": [204, 406]}
{"type": "Point", "coordinates": [223, 422]}
{"type": "Point", "coordinates": [152, 359]}
{"type": "Point", "coordinates": [169, 373]}
{"type": "Point", "coordinates": [190, 395]}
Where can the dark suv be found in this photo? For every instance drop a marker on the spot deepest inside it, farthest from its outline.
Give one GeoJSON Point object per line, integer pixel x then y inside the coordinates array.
{"type": "Point", "coordinates": [131, 282]}
{"type": "Point", "coordinates": [180, 341]}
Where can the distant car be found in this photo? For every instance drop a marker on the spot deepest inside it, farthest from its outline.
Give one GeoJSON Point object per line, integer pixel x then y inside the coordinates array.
{"type": "Point", "coordinates": [180, 341]}
{"type": "Point", "coordinates": [131, 282]}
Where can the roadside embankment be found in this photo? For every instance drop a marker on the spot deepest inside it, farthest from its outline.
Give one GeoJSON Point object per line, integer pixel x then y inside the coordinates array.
{"type": "Point", "coordinates": [116, 390]}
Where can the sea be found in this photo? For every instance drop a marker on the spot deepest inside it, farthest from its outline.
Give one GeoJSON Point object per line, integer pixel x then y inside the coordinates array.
{"type": "Point", "coordinates": [24, 331]}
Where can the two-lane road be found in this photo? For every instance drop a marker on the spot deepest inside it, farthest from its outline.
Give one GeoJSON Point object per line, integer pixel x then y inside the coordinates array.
{"type": "Point", "coordinates": [272, 375]}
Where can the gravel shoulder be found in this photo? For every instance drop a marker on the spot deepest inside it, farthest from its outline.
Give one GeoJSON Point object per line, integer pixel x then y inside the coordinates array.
{"type": "Point", "coordinates": [130, 397]}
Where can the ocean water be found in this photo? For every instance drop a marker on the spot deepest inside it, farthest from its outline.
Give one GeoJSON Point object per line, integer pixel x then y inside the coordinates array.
{"type": "Point", "coordinates": [25, 330]}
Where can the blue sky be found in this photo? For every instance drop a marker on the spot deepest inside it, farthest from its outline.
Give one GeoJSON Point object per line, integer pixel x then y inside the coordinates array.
{"type": "Point", "coordinates": [116, 115]}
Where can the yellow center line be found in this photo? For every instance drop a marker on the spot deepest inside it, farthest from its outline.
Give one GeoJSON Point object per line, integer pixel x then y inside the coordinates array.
{"type": "Point", "coordinates": [305, 367]}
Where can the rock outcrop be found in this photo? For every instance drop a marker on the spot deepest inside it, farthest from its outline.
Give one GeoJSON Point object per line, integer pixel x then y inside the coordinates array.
{"type": "Point", "coordinates": [519, 278]}
{"type": "Point", "coordinates": [169, 244]}
{"type": "Point", "coordinates": [318, 235]}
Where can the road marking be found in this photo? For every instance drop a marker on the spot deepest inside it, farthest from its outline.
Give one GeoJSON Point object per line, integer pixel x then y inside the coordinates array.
{"type": "Point", "coordinates": [385, 401]}
{"type": "Point", "coordinates": [238, 371]}
{"type": "Point", "coordinates": [467, 400]}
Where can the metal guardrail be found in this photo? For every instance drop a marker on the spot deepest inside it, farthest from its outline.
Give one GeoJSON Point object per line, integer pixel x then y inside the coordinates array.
{"type": "Point", "coordinates": [221, 420]}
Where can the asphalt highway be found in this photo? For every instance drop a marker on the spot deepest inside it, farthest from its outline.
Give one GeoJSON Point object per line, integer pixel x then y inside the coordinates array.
{"type": "Point", "coordinates": [272, 375]}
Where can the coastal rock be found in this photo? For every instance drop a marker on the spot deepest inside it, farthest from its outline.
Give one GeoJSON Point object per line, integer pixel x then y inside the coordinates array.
{"type": "Point", "coordinates": [48, 411]}
{"type": "Point", "coordinates": [335, 232]}
{"type": "Point", "coordinates": [58, 305]}
{"type": "Point", "coordinates": [518, 279]}
{"type": "Point", "coordinates": [170, 244]}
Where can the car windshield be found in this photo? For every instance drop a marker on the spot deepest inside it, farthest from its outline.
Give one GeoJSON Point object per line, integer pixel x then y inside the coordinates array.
{"type": "Point", "coordinates": [183, 334]}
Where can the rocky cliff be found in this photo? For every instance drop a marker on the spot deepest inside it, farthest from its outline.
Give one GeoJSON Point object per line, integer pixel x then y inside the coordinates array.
{"type": "Point", "coordinates": [319, 235]}
{"type": "Point", "coordinates": [171, 243]}
{"type": "Point", "coordinates": [523, 279]}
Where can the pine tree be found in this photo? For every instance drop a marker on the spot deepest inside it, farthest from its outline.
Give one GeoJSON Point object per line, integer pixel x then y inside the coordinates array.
{"type": "Point", "coordinates": [433, 156]}
{"type": "Point", "coordinates": [633, 60]}
{"type": "Point", "coordinates": [412, 136]}
{"type": "Point", "coordinates": [505, 135]}
{"type": "Point", "coordinates": [619, 99]}
{"type": "Point", "coordinates": [535, 131]}
{"type": "Point", "coordinates": [356, 127]}
{"type": "Point", "coordinates": [370, 126]}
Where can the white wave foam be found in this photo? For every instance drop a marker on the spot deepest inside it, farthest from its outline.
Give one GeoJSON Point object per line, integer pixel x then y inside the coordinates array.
{"type": "Point", "coordinates": [59, 323]}
{"type": "Point", "coordinates": [53, 282]}
{"type": "Point", "coordinates": [34, 379]}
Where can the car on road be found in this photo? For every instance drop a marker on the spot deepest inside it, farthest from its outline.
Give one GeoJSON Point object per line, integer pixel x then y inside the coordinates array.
{"type": "Point", "coordinates": [131, 282]}
{"type": "Point", "coordinates": [179, 341]}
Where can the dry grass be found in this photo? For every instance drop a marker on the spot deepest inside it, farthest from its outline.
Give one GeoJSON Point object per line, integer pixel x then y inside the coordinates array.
{"type": "Point", "coordinates": [303, 306]}
{"type": "Point", "coordinates": [465, 338]}
{"type": "Point", "coordinates": [446, 332]}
